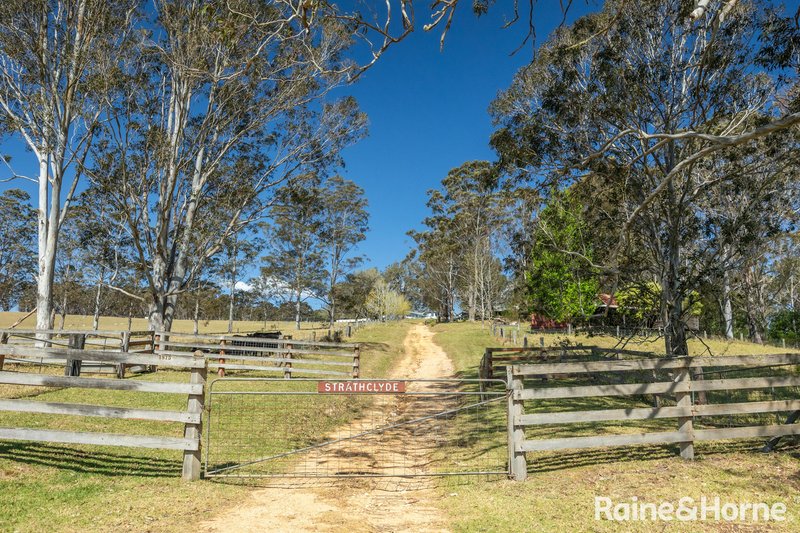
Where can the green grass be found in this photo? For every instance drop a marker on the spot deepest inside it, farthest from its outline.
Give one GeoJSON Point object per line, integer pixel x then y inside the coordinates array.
{"type": "Point", "coordinates": [84, 322]}
{"type": "Point", "coordinates": [559, 494]}
{"type": "Point", "coordinates": [57, 487]}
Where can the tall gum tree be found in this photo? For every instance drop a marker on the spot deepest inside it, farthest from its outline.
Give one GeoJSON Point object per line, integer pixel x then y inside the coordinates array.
{"type": "Point", "coordinates": [639, 98]}
{"type": "Point", "coordinates": [57, 68]}
{"type": "Point", "coordinates": [223, 103]}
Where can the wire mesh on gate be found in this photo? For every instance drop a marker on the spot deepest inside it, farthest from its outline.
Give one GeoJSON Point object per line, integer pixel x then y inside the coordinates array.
{"type": "Point", "coordinates": [286, 428]}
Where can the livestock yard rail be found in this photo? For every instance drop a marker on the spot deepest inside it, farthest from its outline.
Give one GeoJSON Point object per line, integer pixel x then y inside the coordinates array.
{"type": "Point", "coordinates": [495, 360]}
{"type": "Point", "coordinates": [746, 390]}
{"type": "Point", "coordinates": [13, 344]}
{"type": "Point", "coordinates": [191, 418]}
{"type": "Point", "coordinates": [291, 358]}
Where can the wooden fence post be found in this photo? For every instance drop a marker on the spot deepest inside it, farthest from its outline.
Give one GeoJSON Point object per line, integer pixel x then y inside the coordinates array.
{"type": "Point", "coordinates": [486, 368]}
{"type": "Point", "coordinates": [514, 337]}
{"type": "Point", "coordinates": [3, 340]}
{"type": "Point", "coordinates": [518, 466]}
{"type": "Point", "coordinates": [684, 399]}
{"type": "Point", "coordinates": [287, 374]}
{"type": "Point", "coordinates": [525, 341]}
{"type": "Point", "coordinates": [163, 339]}
{"type": "Point", "coordinates": [483, 373]}
{"type": "Point", "coordinates": [357, 362]}
{"type": "Point", "coordinates": [192, 458]}
{"type": "Point", "coordinates": [221, 370]}
{"type": "Point", "coordinates": [697, 375]}
{"type": "Point", "coordinates": [124, 347]}
{"type": "Point", "coordinates": [77, 341]}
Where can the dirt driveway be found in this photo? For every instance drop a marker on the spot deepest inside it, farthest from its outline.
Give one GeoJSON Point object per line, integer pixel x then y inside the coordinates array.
{"type": "Point", "coordinates": [384, 505]}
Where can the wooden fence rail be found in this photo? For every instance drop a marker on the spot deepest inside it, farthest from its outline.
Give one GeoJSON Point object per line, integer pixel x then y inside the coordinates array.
{"type": "Point", "coordinates": [191, 417]}
{"type": "Point", "coordinates": [121, 341]}
{"type": "Point", "coordinates": [292, 358]}
{"type": "Point", "coordinates": [495, 360]}
{"type": "Point", "coordinates": [681, 385]}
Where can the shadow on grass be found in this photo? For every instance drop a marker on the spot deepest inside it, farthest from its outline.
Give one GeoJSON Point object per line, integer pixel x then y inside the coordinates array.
{"type": "Point", "coordinates": [555, 461]}
{"type": "Point", "coordinates": [375, 346]}
{"type": "Point", "coordinates": [88, 462]}
{"type": "Point", "coordinates": [384, 484]}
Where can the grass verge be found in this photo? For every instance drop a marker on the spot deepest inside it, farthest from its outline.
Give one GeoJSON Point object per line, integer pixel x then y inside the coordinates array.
{"type": "Point", "coordinates": [88, 488]}
{"type": "Point", "coordinates": [560, 491]}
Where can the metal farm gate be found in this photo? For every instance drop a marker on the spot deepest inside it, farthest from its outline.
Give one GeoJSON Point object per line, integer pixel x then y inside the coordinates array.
{"type": "Point", "coordinates": [307, 428]}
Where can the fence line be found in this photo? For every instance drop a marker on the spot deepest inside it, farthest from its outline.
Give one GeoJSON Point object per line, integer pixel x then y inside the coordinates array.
{"type": "Point", "coordinates": [14, 344]}
{"type": "Point", "coordinates": [292, 358]}
{"type": "Point", "coordinates": [496, 359]}
{"type": "Point", "coordinates": [686, 380]}
{"type": "Point", "coordinates": [191, 417]}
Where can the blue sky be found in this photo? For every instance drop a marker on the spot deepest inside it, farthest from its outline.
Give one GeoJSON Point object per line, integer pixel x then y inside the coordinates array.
{"type": "Point", "coordinates": [427, 111]}
{"type": "Point", "coordinates": [428, 114]}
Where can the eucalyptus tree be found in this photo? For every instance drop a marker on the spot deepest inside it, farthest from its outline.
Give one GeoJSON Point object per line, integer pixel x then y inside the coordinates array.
{"type": "Point", "coordinates": [437, 260]}
{"type": "Point", "coordinates": [404, 277]}
{"type": "Point", "coordinates": [57, 68]}
{"type": "Point", "coordinates": [642, 108]}
{"type": "Point", "coordinates": [345, 221]}
{"type": "Point", "coordinates": [102, 249]}
{"type": "Point", "coordinates": [17, 246]}
{"type": "Point", "coordinates": [221, 105]}
{"type": "Point", "coordinates": [354, 290]}
{"type": "Point", "coordinates": [240, 250]}
{"type": "Point", "coordinates": [470, 203]}
{"type": "Point", "coordinates": [521, 205]}
{"type": "Point", "coordinates": [295, 259]}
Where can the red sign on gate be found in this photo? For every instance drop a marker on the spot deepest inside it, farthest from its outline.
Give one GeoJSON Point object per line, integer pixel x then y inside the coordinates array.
{"type": "Point", "coordinates": [360, 387]}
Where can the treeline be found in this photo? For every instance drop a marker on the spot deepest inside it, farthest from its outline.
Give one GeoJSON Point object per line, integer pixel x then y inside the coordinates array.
{"type": "Point", "coordinates": [160, 134]}
{"type": "Point", "coordinates": [642, 154]}
{"type": "Point", "coordinates": [304, 255]}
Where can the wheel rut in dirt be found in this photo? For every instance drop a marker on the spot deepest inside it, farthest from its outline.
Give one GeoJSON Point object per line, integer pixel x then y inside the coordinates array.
{"type": "Point", "coordinates": [358, 504]}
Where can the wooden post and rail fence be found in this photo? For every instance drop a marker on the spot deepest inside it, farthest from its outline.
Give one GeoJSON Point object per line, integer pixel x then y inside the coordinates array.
{"type": "Point", "coordinates": [134, 342]}
{"type": "Point", "coordinates": [495, 360]}
{"type": "Point", "coordinates": [288, 357]}
{"type": "Point", "coordinates": [687, 412]}
{"type": "Point", "coordinates": [191, 418]}
{"type": "Point", "coordinates": [115, 352]}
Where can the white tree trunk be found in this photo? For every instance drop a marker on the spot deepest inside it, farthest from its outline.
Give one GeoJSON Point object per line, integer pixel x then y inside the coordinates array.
{"type": "Point", "coordinates": [727, 307]}
{"type": "Point", "coordinates": [48, 237]}
{"type": "Point", "coordinates": [233, 288]}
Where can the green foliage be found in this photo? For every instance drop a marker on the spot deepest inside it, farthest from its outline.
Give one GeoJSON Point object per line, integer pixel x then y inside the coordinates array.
{"type": "Point", "coordinates": [785, 325]}
{"type": "Point", "coordinates": [384, 303]}
{"type": "Point", "coordinates": [352, 293]}
{"type": "Point", "coordinates": [642, 301]}
{"type": "Point", "coordinates": [560, 286]}
{"type": "Point", "coordinates": [17, 245]}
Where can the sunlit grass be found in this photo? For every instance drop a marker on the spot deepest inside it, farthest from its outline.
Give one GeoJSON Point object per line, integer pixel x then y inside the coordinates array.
{"type": "Point", "coordinates": [559, 494]}
{"type": "Point", "coordinates": [54, 487]}
{"type": "Point", "coordinates": [307, 329]}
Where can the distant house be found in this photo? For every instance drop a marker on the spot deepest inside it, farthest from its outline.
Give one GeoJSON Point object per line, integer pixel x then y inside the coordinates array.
{"type": "Point", "coordinates": [421, 314]}
{"type": "Point", "coordinates": [539, 322]}
{"type": "Point", "coordinates": [609, 313]}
